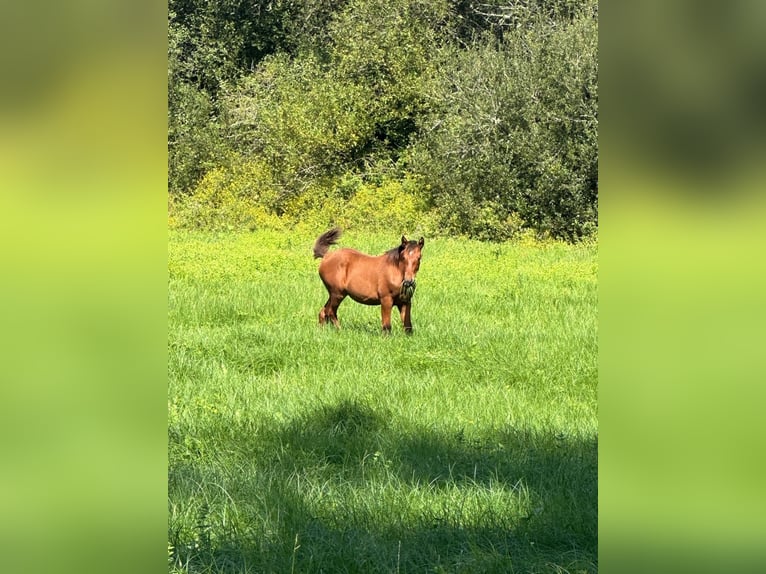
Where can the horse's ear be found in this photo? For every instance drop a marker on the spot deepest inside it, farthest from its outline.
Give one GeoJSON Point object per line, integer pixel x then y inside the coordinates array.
{"type": "Point", "coordinates": [421, 242]}
{"type": "Point", "coordinates": [404, 240]}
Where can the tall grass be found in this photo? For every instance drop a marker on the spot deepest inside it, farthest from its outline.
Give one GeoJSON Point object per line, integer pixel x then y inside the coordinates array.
{"type": "Point", "coordinates": [470, 446]}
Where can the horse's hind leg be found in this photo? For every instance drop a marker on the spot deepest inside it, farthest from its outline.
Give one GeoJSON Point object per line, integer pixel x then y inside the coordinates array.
{"type": "Point", "coordinates": [329, 312]}
{"type": "Point", "coordinates": [335, 300]}
{"type": "Point", "coordinates": [323, 314]}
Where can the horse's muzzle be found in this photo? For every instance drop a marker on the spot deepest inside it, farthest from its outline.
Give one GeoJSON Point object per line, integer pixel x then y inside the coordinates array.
{"type": "Point", "coordinates": [408, 289]}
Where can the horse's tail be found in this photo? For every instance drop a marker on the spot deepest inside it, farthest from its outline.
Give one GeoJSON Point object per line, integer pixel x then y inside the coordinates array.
{"type": "Point", "coordinates": [323, 242]}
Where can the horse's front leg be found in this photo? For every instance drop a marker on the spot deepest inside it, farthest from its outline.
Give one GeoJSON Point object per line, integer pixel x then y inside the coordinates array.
{"type": "Point", "coordinates": [385, 313]}
{"type": "Point", "coordinates": [404, 311]}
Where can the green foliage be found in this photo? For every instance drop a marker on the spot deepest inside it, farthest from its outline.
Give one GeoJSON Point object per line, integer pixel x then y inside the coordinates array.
{"type": "Point", "coordinates": [385, 46]}
{"type": "Point", "coordinates": [318, 208]}
{"type": "Point", "coordinates": [194, 138]}
{"type": "Point", "coordinates": [391, 205]}
{"type": "Point", "coordinates": [516, 131]}
{"type": "Point", "coordinates": [195, 144]}
{"type": "Point", "coordinates": [245, 196]}
{"type": "Point", "coordinates": [216, 41]}
{"type": "Point", "coordinates": [492, 107]}
{"type": "Point", "coordinates": [240, 197]}
{"type": "Point", "coordinates": [307, 123]}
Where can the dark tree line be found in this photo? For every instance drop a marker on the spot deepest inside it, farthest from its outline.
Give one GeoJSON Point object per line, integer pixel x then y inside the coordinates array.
{"type": "Point", "coordinates": [484, 114]}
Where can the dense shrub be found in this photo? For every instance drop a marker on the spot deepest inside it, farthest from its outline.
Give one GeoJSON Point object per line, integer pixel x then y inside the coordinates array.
{"type": "Point", "coordinates": [515, 134]}
{"type": "Point", "coordinates": [393, 204]}
{"type": "Point", "coordinates": [239, 197]}
{"type": "Point", "coordinates": [194, 138]}
{"type": "Point", "coordinates": [465, 118]}
{"type": "Point", "coordinates": [306, 122]}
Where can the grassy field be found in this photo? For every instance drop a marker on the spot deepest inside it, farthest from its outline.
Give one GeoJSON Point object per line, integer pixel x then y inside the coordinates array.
{"type": "Point", "coordinates": [470, 446]}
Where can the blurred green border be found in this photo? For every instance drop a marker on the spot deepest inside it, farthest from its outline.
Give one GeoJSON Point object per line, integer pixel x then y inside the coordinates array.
{"type": "Point", "coordinates": [84, 292]}
{"type": "Point", "coordinates": [682, 280]}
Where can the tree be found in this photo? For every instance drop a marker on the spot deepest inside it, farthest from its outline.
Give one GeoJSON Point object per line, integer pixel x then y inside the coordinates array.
{"type": "Point", "coordinates": [515, 133]}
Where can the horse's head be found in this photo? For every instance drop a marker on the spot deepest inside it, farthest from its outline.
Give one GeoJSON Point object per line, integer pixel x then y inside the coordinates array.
{"type": "Point", "coordinates": [409, 262]}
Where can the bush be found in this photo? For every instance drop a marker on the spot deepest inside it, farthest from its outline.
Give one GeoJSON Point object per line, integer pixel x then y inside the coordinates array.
{"type": "Point", "coordinates": [194, 137]}
{"type": "Point", "coordinates": [350, 202]}
{"type": "Point", "coordinates": [390, 205]}
{"type": "Point", "coordinates": [451, 117]}
{"type": "Point", "coordinates": [240, 197]}
{"type": "Point", "coordinates": [515, 131]}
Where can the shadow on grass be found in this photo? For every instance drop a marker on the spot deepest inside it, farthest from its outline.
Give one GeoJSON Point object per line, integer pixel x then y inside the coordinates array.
{"type": "Point", "coordinates": [342, 490]}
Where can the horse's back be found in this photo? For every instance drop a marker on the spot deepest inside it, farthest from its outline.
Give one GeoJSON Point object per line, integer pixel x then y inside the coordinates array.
{"type": "Point", "coordinates": [346, 257]}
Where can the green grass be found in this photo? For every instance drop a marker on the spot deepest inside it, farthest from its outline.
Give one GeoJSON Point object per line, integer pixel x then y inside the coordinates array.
{"type": "Point", "coordinates": [470, 446]}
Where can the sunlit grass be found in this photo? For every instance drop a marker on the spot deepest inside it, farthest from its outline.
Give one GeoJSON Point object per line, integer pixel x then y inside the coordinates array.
{"type": "Point", "coordinates": [467, 447]}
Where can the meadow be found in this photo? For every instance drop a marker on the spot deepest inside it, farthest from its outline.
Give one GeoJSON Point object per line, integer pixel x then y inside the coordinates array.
{"type": "Point", "coordinates": [470, 446]}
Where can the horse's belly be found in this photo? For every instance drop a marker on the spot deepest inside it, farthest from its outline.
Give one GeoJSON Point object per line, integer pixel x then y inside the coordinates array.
{"type": "Point", "coordinates": [362, 289]}
{"type": "Point", "coordinates": [363, 298]}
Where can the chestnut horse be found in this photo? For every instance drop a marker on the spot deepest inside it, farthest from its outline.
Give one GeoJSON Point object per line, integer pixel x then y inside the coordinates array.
{"type": "Point", "coordinates": [387, 280]}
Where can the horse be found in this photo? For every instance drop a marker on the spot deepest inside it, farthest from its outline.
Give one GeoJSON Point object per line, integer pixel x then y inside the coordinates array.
{"type": "Point", "coordinates": [387, 280]}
